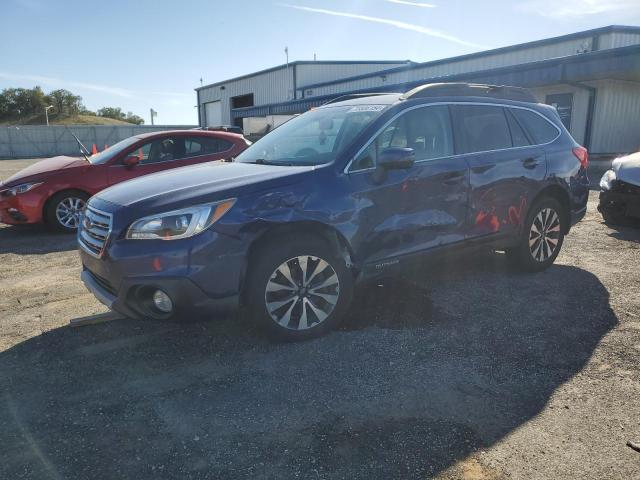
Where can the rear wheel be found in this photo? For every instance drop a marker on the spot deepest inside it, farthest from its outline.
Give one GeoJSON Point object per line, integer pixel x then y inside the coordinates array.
{"type": "Point", "coordinates": [300, 289]}
{"type": "Point", "coordinates": [64, 209]}
{"type": "Point", "coordinates": [542, 238]}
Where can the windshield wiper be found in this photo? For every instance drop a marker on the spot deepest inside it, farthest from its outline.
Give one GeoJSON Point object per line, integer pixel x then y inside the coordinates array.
{"type": "Point", "coordinates": [83, 149]}
{"type": "Point", "coordinates": [262, 161]}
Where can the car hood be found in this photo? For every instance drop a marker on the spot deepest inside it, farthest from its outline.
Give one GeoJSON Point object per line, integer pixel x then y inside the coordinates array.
{"type": "Point", "coordinates": [628, 168]}
{"type": "Point", "coordinates": [204, 182]}
{"type": "Point", "coordinates": [43, 168]}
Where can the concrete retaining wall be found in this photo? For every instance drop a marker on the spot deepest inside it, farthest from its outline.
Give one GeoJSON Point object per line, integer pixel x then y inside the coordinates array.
{"type": "Point", "coordinates": [41, 141]}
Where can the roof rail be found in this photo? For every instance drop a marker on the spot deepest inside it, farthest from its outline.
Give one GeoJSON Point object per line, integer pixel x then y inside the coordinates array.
{"type": "Point", "coordinates": [504, 92]}
{"type": "Point", "coordinates": [343, 98]}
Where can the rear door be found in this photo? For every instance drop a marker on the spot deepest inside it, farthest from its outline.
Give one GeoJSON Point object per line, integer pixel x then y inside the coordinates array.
{"type": "Point", "coordinates": [505, 169]}
{"type": "Point", "coordinates": [411, 211]}
{"type": "Point", "coordinates": [200, 149]}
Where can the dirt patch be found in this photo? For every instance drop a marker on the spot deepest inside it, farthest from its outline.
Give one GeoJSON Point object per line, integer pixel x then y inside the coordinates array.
{"type": "Point", "coordinates": [464, 370]}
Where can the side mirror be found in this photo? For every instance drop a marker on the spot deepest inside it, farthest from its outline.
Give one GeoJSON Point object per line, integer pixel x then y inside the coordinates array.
{"type": "Point", "coordinates": [397, 158]}
{"type": "Point", "coordinates": [131, 161]}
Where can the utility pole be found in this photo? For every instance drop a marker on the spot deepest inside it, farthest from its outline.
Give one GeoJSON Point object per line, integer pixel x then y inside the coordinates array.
{"type": "Point", "coordinates": [286, 52]}
{"type": "Point", "coordinates": [152, 113]}
{"type": "Point", "coordinates": [46, 113]}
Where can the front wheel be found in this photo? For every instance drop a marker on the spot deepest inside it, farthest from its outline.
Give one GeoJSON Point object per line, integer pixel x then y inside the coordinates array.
{"type": "Point", "coordinates": [64, 209]}
{"type": "Point", "coordinates": [300, 289]}
{"type": "Point", "coordinates": [542, 238]}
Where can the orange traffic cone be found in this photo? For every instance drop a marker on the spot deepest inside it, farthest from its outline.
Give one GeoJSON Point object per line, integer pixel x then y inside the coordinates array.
{"type": "Point", "coordinates": [94, 149]}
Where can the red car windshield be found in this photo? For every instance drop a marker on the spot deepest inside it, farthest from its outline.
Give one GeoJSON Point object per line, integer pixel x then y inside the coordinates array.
{"type": "Point", "coordinates": [108, 153]}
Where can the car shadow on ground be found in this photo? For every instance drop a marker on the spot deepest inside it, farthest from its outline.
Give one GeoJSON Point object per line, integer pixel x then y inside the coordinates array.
{"type": "Point", "coordinates": [626, 233]}
{"type": "Point", "coordinates": [425, 371]}
{"type": "Point", "coordinates": [34, 239]}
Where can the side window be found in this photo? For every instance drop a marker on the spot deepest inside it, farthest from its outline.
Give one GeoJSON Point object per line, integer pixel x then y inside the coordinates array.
{"type": "Point", "coordinates": [142, 152]}
{"type": "Point", "coordinates": [394, 135]}
{"type": "Point", "coordinates": [427, 130]}
{"type": "Point", "coordinates": [160, 150]}
{"type": "Point", "coordinates": [205, 146]}
{"type": "Point", "coordinates": [540, 130]}
{"type": "Point", "coordinates": [481, 128]}
{"type": "Point", "coordinates": [518, 136]}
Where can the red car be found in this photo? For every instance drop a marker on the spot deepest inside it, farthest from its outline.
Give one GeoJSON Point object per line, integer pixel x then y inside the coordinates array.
{"type": "Point", "coordinates": [55, 190]}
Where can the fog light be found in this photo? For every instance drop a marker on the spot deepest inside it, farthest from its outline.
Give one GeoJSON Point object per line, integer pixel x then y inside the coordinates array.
{"type": "Point", "coordinates": [162, 301]}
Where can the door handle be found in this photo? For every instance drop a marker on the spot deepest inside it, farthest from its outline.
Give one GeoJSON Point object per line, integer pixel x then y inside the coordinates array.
{"type": "Point", "coordinates": [530, 163]}
{"type": "Point", "coordinates": [453, 178]}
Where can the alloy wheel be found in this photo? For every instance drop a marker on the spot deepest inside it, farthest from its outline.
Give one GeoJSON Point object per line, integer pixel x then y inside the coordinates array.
{"type": "Point", "coordinates": [544, 234]}
{"type": "Point", "coordinates": [302, 292]}
{"type": "Point", "coordinates": [68, 212]}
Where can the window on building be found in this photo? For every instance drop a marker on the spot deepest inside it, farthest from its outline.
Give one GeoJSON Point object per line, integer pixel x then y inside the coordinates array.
{"type": "Point", "coordinates": [480, 128]}
{"type": "Point", "coordinates": [540, 130]}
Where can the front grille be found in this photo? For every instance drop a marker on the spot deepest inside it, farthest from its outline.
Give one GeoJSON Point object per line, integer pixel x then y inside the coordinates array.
{"type": "Point", "coordinates": [104, 283]}
{"type": "Point", "coordinates": [94, 231]}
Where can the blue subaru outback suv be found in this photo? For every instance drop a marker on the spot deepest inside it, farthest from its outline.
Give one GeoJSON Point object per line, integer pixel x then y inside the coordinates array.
{"type": "Point", "coordinates": [336, 195]}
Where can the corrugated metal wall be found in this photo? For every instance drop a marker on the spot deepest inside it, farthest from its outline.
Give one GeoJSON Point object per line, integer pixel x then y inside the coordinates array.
{"type": "Point", "coordinates": [308, 74]}
{"type": "Point", "coordinates": [616, 127]}
{"type": "Point", "coordinates": [269, 87]}
{"type": "Point", "coordinates": [32, 141]}
{"type": "Point", "coordinates": [515, 57]}
{"type": "Point", "coordinates": [277, 85]}
{"type": "Point", "coordinates": [618, 39]}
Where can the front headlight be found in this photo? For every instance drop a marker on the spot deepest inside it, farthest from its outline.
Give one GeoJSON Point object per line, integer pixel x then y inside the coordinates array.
{"type": "Point", "coordinates": [607, 180]}
{"type": "Point", "coordinates": [18, 189]}
{"type": "Point", "coordinates": [177, 224]}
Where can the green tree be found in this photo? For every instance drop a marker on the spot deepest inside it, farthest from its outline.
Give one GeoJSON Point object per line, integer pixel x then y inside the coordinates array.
{"type": "Point", "coordinates": [131, 118]}
{"type": "Point", "coordinates": [112, 112]}
{"type": "Point", "coordinates": [65, 102]}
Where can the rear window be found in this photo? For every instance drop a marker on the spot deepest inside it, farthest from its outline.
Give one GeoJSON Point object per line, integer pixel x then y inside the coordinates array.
{"type": "Point", "coordinates": [481, 128]}
{"type": "Point", "coordinates": [206, 146]}
{"type": "Point", "coordinates": [540, 130]}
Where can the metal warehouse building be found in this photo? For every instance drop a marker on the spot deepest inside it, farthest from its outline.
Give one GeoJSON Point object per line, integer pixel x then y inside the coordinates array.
{"type": "Point", "coordinates": [592, 77]}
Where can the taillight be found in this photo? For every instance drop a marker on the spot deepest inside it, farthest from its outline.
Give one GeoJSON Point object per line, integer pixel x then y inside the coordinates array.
{"type": "Point", "coordinates": [582, 154]}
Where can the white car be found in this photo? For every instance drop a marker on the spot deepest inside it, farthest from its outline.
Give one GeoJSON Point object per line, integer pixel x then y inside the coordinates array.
{"type": "Point", "coordinates": [620, 191]}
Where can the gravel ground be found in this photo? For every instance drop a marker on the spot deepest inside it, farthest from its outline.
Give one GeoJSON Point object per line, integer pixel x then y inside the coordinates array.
{"type": "Point", "coordinates": [463, 370]}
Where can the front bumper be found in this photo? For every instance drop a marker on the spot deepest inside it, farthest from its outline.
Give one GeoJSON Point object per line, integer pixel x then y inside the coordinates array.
{"type": "Point", "coordinates": [133, 297]}
{"type": "Point", "coordinates": [621, 204]}
{"type": "Point", "coordinates": [202, 275]}
{"type": "Point", "coordinates": [21, 209]}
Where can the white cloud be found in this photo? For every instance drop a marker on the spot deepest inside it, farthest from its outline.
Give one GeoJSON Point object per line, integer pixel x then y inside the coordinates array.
{"type": "Point", "coordinates": [110, 90]}
{"type": "Point", "coordinates": [413, 4]}
{"type": "Point", "coordinates": [386, 21]}
{"type": "Point", "coordinates": [567, 9]}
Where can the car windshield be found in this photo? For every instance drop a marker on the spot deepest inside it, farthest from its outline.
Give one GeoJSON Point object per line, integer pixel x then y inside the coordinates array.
{"type": "Point", "coordinates": [108, 153]}
{"type": "Point", "coordinates": [314, 138]}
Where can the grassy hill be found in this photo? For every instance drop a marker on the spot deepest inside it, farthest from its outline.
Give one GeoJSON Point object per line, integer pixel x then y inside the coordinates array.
{"type": "Point", "coordinates": [66, 120]}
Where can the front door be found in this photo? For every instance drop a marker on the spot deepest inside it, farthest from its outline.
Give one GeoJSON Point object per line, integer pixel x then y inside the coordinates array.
{"type": "Point", "coordinates": [156, 155]}
{"type": "Point", "coordinates": [413, 210]}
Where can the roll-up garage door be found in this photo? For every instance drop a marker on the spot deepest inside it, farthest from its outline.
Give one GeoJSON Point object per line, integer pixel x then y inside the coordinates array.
{"type": "Point", "coordinates": [213, 114]}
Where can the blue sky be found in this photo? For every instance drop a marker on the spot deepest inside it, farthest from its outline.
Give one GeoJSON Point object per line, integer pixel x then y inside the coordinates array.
{"type": "Point", "coordinates": [151, 54]}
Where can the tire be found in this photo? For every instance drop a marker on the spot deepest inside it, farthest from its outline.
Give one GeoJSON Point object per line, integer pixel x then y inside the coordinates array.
{"type": "Point", "coordinates": [536, 252]}
{"type": "Point", "coordinates": [62, 212]}
{"type": "Point", "coordinates": [287, 307]}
